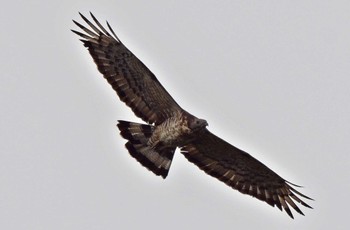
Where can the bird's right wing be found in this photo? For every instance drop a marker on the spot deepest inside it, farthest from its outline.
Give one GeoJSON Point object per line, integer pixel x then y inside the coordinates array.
{"type": "Point", "coordinates": [134, 83]}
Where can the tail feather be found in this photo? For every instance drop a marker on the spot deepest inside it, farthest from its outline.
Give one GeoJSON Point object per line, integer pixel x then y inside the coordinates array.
{"type": "Point", "coordinates": [156, 160]}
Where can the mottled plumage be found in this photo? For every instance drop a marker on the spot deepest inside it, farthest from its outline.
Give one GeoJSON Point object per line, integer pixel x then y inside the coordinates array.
{"type": "Point", "coordinates": [169, 126]}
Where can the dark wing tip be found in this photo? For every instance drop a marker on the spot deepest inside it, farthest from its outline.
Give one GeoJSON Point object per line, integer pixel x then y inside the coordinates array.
{"type": "Point", "coordinates": [297, 192]}
{"type": "Point", "coordinates": [84, 18]}
{"type": "Point", "coordinates": [290, 214]}
{"type": "Point", "coordinates": [81, 35]}
{"type": "Point", "coordinates": [110, 28]}
{"type": "Point", "coordinates": [78, 24]}
{"type": "Point", "coordinates": [95, 30]}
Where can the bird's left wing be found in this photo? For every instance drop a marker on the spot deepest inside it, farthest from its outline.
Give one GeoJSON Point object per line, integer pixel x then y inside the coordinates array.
{"type": "Point", "coordinates": [241, 171]}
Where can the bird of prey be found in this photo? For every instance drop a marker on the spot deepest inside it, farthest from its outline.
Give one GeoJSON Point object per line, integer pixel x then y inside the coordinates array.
{"type": "Point", "coordinates": [168, 126]}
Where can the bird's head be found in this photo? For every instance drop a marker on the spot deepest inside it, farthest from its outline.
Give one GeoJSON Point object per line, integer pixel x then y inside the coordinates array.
{"type": "Point", "coordinates": [197, 124]}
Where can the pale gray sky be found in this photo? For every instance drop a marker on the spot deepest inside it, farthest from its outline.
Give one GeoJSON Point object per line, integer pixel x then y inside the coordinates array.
{"type": "Point", "coordinates": [270, 77]}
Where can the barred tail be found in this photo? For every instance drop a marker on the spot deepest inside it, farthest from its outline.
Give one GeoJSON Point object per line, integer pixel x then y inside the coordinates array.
{"type": "Point", "coordinates": [156, 160]}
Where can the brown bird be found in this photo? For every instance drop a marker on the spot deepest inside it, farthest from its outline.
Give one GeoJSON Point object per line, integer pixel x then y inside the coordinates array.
{"type": "Point", "coordinates": [169, 126]}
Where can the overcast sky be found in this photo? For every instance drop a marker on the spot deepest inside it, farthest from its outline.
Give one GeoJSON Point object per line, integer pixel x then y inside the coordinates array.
{"type": "Point", "coordinates": [270, 77]}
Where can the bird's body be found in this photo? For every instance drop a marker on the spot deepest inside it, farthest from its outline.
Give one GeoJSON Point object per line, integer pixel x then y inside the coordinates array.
{"type": "Point", "coordinates": [177, 131]}
{"type": "Point", "coordinates": [168, 126]}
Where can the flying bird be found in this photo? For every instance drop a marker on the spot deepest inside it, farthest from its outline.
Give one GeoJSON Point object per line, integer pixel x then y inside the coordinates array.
{"type": "Point", "coordinates": [168, 126]}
